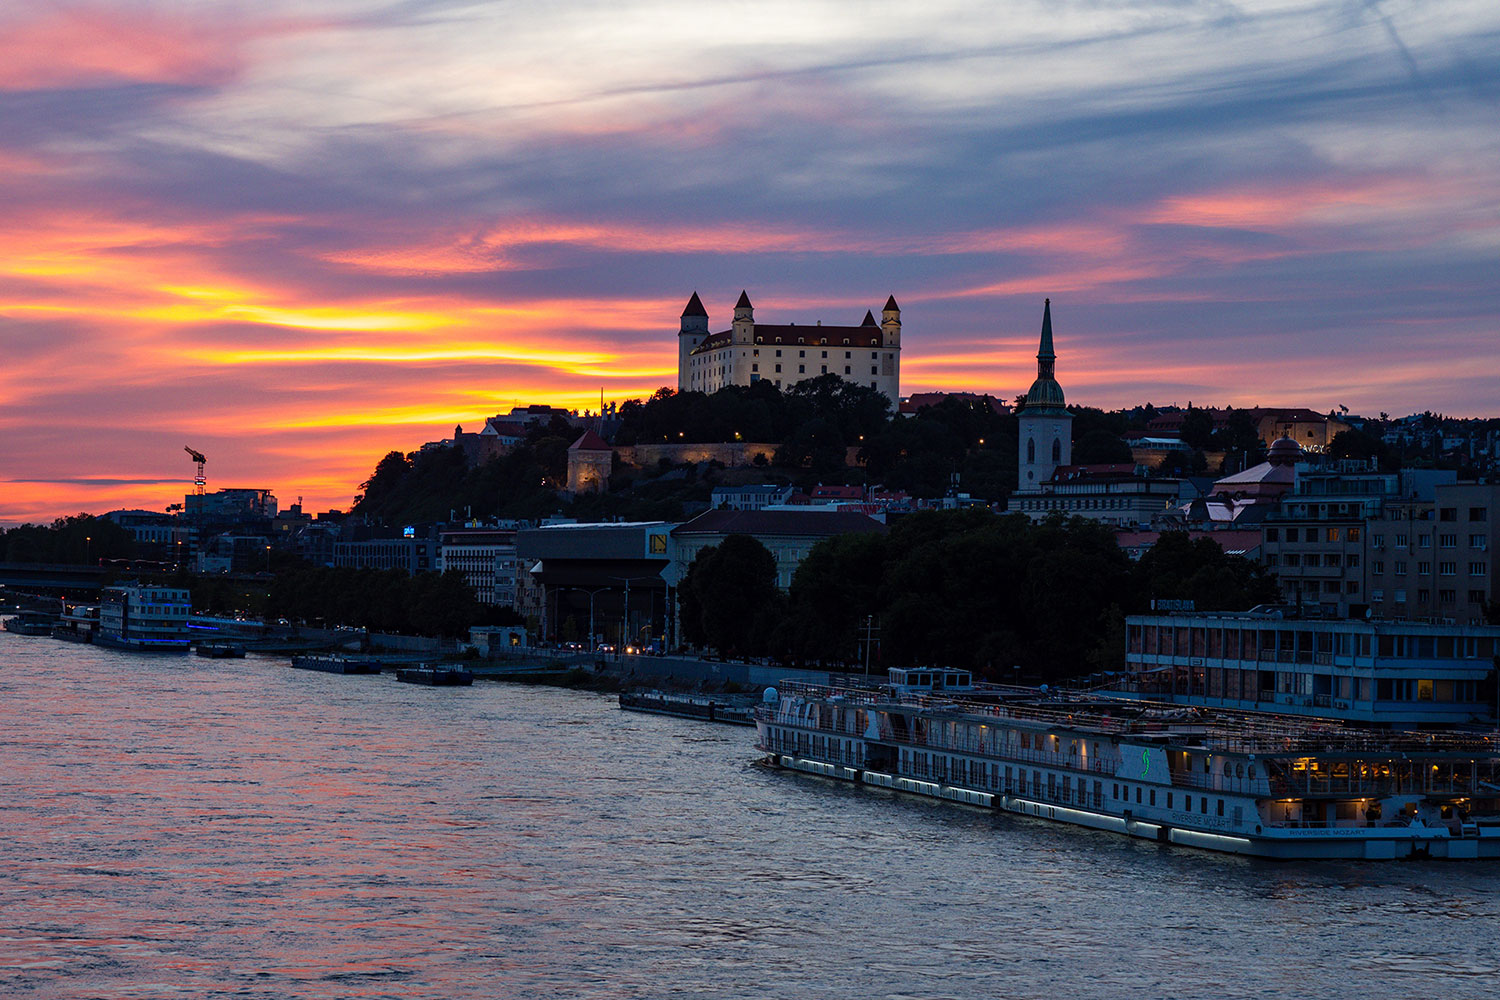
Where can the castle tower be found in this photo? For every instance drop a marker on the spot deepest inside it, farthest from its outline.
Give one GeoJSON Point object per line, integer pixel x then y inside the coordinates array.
{"type": "Point", "coordinates": [744, 320]}
{"type": "Point", "coordinates": [890, 323]}
{"type": "Point", "coordinates": [590, 461]}
{"type": "Point", "coordinates": [1046, 426]}
{"type": "Point", "coordinates": [694, 331]}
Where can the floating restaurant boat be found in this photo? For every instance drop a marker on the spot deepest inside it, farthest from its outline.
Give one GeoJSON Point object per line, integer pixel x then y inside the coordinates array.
{"type": "Point", "coordinates": [1243, 782]}
{"type": "Point", "coordinates": [435, 676]}
{"type": "Point", "coordinates": [220, 650]}
{"type": "Point", "coordinates": [143, 618]}
{"type": "Point", "coordinates": [336, 665]}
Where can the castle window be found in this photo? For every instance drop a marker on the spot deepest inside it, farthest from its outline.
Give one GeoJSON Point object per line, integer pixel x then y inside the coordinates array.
{"type": "Point", "coordinates": [872, 385]}
{"type": "Point", "coordinates": [847, 371]}
{"type": "Point", "coordinates": [800, 340]}
{"type": "Point", "coordinates": [825, 369]}
{"type": "Point", "coordinates": [778, 368]}
{"type": "Point", "coordinates": [801, 369]}
{"type": "Point", "coordinates": [847, 355]}
{"type": "Point", "coordinates": [1030, 451]}
{"type": "Point", "coordinates": [778, 354]}
{"type": "Point", "coordinates": [1056, 451]}
{"type": "Point", "coordinates": [873, 371]}
{"type": "Point", "coordinates": [825, 353]}
{"type": "Point", "coordinates": [872, 355]}
{"type": "Point", "coordinates": [823, 340]}
{"type": "Point", "coordinates": [760, 340]}
{"type": "Point", "coordinates": [778, 340]}
{"type": "Point", "coordinates": [755, 367]}
{"type": "Point", "coordinates": [755, 354]}
{"type": "Point", "coordinates": [801, 354]}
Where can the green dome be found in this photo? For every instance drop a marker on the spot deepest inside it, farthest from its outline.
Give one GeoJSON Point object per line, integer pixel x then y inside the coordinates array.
{"type": "Point", "coordinates": [1045, 394]}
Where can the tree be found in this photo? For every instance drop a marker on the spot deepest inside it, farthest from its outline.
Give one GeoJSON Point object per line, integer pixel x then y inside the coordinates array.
{"type": "Point", "coordinates": [1100, 447]}
{"type": "Point", "coordinates": [1197, 428]}
{"type": "Point", "coordinates": [817, 445]}
{"type": "Point", "coordinates": [79, 539]}
{"type": "Point", "coordinates": [729, 597]}
{"type": "Point", "coordinates": [1356, 444]}
{"type": "Point", "coordinates": [1181, 568]}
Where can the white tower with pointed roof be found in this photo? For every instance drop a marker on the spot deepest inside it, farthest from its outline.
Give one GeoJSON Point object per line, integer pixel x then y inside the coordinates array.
{"type": "Point", "coordinates": [693, 331]}
{"type": "Point", "coordinates": [1046, 426]}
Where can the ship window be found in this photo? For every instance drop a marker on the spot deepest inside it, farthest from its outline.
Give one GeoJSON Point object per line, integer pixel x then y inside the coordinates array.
{"type": "Point", "coordinates": [1169, 800]}
{"type": "Point", "coordinates": [1221, 807]}
{"type": "Point", "coordinates": [1138, 796]}
{"type": "Point", "coordinates": [1187, 803]}
{"type": "Point", "coordinates": [1153, 796]}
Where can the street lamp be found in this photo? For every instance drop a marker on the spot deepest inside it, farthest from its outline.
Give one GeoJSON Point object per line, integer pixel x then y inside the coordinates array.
{"type": "Point", "coordinates": [88, 548]}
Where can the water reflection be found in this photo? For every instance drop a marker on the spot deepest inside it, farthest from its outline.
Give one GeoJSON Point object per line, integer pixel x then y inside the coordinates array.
{"type": "Point", "coordinates": [179, 827]}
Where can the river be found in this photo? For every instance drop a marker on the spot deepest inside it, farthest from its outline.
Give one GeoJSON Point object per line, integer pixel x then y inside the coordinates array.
{"type": "Point", "coordinates": [178, 827]}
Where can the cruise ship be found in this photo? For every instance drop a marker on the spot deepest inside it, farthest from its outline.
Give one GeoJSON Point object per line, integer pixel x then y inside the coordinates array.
{"type": "Point", "coordinates": [1242, 782]}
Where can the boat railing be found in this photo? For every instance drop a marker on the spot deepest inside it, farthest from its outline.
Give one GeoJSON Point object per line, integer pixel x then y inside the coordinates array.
{"type": "Point", "coordinates": [1217, 730]}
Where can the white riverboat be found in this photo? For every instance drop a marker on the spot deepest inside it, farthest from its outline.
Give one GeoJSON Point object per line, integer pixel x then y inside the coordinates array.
{"type": "Point", "coordinates": [1243, 782]}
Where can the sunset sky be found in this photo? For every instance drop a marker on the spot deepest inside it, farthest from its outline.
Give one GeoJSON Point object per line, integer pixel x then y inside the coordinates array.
{"type": "Point", "coordinates": [297, 234]}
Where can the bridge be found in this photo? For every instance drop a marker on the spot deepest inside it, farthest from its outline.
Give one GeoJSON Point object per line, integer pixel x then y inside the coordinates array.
{"type": "Point", "coordinates": [48, 577]}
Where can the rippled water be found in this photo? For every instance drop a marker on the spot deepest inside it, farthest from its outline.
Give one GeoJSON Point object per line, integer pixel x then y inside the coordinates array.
{"type": "Point", "coordinates": [185, 827]}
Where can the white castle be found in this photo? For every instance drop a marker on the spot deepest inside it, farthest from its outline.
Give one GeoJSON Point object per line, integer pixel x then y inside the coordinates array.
{"type": "Point", "coordinates": [868, 354]}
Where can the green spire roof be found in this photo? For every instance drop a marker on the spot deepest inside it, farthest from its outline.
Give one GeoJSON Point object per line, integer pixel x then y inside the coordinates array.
{"type": "Point", "coordinates": [1045, 393]}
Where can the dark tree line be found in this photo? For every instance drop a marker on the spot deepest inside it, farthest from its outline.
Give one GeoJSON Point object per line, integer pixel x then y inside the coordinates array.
{"type": "Point", "coordinates": [80, 539]}
{"type": "Point", "coordinates": [380, 600]}
{"type": "Point", "coordinates": [429, 485]}
{"type": "Point", "coordinates": [757, 412]}
{"type": "Point", "coordinates": [958, 588]}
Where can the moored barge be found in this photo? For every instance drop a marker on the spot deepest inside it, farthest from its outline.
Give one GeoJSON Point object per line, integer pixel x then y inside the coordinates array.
{"type": "Point", "coordinates": [1241, 782]}
{"type": "Point", "coordinates": [686, 707]}
{"type": "Point", "coordinates": [435, 676]}
{"type": "Point", "coordinates": [336, 665]}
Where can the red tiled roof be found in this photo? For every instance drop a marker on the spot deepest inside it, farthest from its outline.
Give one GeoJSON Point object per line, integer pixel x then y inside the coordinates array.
{"type": "Point", "coordinates": [589, 441]}
{"type": "Point", "coordinates": [917, 400]}
{"type": "Point", "coordinates": [804, 336]}
{"type": "Point", "coordinates": [838, 492]}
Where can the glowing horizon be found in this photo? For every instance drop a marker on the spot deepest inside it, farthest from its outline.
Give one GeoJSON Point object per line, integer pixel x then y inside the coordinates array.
{"type": "Point", "coordinates": [298, 236]}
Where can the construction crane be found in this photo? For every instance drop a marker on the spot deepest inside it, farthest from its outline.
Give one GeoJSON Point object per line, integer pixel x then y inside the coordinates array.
{"type": "Point", "coordinates": [199, 480]}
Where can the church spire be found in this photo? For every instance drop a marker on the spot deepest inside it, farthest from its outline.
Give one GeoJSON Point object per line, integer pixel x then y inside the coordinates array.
{"type": "Point", "coordinates": [1046, 358]}
{"type": "Point", "coordinates": [1045, 392]}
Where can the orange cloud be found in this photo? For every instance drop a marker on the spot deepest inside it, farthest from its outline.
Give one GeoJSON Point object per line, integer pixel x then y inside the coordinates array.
{"type": "Point", "coordinates": [94, 44]}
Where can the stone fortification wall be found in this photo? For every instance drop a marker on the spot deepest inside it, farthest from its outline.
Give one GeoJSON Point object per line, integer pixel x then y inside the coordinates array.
{"type": "Point", "coordinates": [731, 453]}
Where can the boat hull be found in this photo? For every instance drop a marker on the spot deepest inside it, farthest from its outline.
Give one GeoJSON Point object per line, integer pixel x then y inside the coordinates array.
{"type": "Point", "coordinates": [111, 641]}
{"type": "Point", "coordinates": [330, 665]}
{"type": "Point", "coordinates": [1306, 844]}
{"type": "Point", "coordinates": [435, 678]}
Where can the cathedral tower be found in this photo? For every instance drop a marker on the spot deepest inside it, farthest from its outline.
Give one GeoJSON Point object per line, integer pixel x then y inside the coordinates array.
{"type": "Point", "coordinates": [1046, 426]}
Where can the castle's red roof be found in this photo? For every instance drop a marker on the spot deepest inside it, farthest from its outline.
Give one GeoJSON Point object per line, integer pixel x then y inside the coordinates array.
{"type": "Point", "coordinates": [589, 441]}
{"type": "Point", "coordinates": [799, 336]}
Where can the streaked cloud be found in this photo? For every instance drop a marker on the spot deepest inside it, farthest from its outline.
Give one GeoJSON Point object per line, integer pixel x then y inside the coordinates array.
{"type": "Point", "coordinates": [299, 233]}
